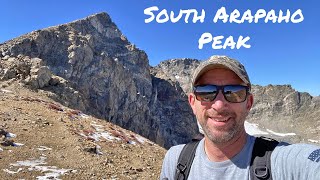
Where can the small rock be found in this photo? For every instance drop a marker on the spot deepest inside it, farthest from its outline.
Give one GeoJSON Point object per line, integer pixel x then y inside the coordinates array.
{"type": "Point", "coordinates": [46, 123]}
{"type": "Point", "coordinates": [8, 142]}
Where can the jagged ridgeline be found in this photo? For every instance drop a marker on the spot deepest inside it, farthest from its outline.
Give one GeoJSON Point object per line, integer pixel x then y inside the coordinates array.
{"type": "Point", "coordinates": [90, 65]}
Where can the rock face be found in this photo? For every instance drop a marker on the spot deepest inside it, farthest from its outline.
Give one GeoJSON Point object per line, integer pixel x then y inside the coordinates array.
{"type": "Point", "coordinates": [177, 70]}
{"type": "Point", "coordinates": [283, 109]}
{"type": "Point", "coordinates": [170, 108]}
{"type": "Point", "coordinates": [91, 66]}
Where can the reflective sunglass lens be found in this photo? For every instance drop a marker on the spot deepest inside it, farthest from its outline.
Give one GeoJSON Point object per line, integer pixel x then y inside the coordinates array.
{"type": "Point", "coordinates": [206, 93]}
{"type": "Point", "coordinates": [208, 97]}
{"type": "Point", "coordinates": [235, 93]}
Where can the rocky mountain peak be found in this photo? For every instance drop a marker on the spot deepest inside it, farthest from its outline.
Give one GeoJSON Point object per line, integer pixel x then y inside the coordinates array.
{"type": "Point", "coordinates": [90, 65]}
{"type": "Point", "coordinates": [98, 25]}
{"type": "Point", "coordinates": [177, 70]}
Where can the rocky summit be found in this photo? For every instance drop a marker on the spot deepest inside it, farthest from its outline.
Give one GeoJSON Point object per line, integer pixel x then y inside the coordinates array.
{"type": "Point", "coordinates": [90, 66]}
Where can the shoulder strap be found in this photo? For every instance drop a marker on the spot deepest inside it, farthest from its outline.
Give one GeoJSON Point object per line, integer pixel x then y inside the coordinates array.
{"type": "Point", "coordinates": [185, 160]}
{"type": "Point", "coordinates": [260, 165]}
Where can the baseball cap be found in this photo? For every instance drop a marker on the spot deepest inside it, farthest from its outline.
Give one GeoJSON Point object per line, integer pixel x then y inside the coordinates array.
{"type": "Point", "coordinates": [221, 62]}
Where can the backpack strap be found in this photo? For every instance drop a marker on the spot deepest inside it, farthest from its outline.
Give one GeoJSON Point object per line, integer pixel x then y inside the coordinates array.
{"type": "Point", "coordinates": [260, 165]}
{"type": "Point", "coordinates": [185, 160]}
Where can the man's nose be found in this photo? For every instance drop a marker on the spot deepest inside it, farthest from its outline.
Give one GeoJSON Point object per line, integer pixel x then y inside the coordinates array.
{"type": "Point", "coordinates": [219, 102]}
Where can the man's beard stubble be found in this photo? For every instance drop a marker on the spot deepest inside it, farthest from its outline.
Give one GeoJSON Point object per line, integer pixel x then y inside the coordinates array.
{"type": "Point", "coordinates": [224, 135]}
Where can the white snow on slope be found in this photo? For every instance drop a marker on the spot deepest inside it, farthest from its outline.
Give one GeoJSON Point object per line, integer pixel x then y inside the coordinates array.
{"type": "Point", "coordinates": [281, 134]}
{"type": "Point", "coordinates": [51, 172]}
{"type": "Point", "coordinates": [313, 141]}
{"type": "Point", "coordinates": [253, 129]}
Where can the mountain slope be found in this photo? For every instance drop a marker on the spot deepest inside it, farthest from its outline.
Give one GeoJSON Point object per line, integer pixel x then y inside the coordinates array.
{"type": "Point", "coordinates": [41, 138]}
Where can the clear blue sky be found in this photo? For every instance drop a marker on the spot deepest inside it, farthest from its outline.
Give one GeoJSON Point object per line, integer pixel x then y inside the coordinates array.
{"type": "Point", "coordinates": [279, 54]}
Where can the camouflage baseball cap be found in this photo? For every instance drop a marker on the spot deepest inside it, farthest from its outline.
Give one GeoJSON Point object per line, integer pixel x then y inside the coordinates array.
{"type": "Point", "coordinates": [221, 62]}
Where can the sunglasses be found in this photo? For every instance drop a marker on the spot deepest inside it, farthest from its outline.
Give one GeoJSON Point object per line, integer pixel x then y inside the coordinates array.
{"type": "Point", "coordinates": [232, 93]}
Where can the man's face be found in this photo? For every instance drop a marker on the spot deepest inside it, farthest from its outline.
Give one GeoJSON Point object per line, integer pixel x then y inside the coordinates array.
{"type": "Point", "coordinates": [221, 120]}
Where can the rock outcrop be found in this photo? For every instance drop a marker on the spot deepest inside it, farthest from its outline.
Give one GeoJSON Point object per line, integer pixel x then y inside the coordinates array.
{"type": "Point", "coordinates": [91, 66]}
{"type": "Point", "coordinates": [177, 70]}
{"type": "Point", "coordinates": [282, 109]}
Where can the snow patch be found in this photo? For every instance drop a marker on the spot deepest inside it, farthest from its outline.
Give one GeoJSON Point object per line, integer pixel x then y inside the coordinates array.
{"type": "Point", "coordinates": [140, 139]}
{"type": "Point", "coordinates": [6, 91]}
{"type": "Point", "coordinates": [10, 135]}
{"type": "Point", "coordinates": [253, 129]}
{"type": "Point", "coordinates": [97, 127]}
{"type": "Point", "coordinates": [17, 144]}
{"type": "Point", "coordinates": [108, 136]}
{"type": "Point", "coordinates": [43, 148]}
{"type": "Point", "coordinates": [51, 172]}
{"type": "Point", "coordinates": [83, 115]}
{"type": "Point", "coordinates": [12, 172]}
{"type": "Point", "coordinates": [281, 134]}
{"type": "Point", "coordinates": [313, 141]}
{"type": "Point", "coordinates": [101, 134]}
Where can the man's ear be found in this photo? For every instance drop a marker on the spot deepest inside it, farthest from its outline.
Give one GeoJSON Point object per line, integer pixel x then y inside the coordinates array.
{"type": "Point", "coordinates": [249, 102]}
{"type": "Point", "coordinates": [192, 99]}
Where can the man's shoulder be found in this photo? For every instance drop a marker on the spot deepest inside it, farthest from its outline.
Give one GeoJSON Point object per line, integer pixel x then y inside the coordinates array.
{"type": "Point", "coordinates": [175, 151]}
{"type": "Point", "coordinates": [299, 148]}
{"type": "Point", "coordinates": [295, 153]}
{"type": "Point", "coordinates": [290, 161]}
{"type": "Point", "coordinates": [170, 161]}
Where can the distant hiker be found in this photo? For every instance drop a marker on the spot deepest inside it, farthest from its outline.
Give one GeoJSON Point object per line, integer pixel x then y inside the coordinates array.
{"type": "Point", "coordinates": [221, 100]}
